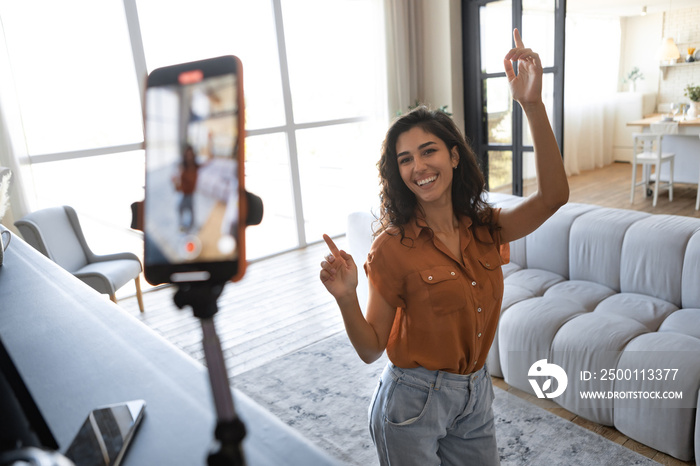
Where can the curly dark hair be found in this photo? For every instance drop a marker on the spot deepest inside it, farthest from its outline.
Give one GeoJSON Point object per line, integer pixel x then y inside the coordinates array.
{"type": "Point", "coordinates": [398, 203]}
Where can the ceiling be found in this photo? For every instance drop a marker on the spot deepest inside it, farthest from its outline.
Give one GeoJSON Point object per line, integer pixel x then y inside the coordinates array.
{"type": "Point", "coordinates": [627, 7]}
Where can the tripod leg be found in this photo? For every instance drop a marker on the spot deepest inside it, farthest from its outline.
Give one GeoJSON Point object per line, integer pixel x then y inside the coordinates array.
{"type": "Point", "coordinates": [229, 429]}
{"type": "Point", "coordinates": [217, 371]}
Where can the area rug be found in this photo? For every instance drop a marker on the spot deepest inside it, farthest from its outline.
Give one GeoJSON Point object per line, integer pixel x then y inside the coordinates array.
{"type": "Point", "coordinates": [323, 391]}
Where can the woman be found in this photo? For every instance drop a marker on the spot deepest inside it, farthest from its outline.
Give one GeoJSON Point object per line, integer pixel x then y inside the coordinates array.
{"type": "Point", "coordinates": [186, 182]}
{"type": "Point", "coordinates": [435, 283]}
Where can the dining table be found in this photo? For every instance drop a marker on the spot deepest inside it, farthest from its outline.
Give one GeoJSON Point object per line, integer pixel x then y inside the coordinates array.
{"type": "Point", "coordinates": [685, 144]}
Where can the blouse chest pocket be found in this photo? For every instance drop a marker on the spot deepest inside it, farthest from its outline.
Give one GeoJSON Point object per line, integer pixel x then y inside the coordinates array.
{"type": "Point", "coordinates": [490, 274]}
{"type": "Point", "coordinates": [445, 291]}
{"type": "Point", "coordinates": [491, 260]}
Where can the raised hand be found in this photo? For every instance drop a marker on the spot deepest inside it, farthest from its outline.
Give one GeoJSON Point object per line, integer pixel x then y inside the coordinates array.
{"type": "Point", "coordinates": [338, 272]}
{"type": "Point", "coordinates": [526, 86]}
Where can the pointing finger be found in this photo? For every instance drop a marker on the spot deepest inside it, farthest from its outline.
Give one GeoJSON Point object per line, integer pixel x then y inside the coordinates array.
{"type": "Point", "coordinates": [516, 37]}
{"type": "Point", "coordinates": [333, 248]}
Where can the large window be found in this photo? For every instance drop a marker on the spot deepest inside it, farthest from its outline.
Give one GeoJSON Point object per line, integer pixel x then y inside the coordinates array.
{"type": "Point", "coordinates": [314, 91]}
{"type": "Point", "coordinates": [74, 75]}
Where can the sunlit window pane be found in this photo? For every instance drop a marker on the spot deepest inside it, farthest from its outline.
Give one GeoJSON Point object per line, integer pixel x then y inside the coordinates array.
{"type": "Point", "coordinates": [101, 189]}
{"type": "Point", "coordinates": [529, 173]}
{"type": "Point", "coordinates": [334, 67]}
{"type": "Point", "coordinates": [499, 110]}
{"type": "Point", "coordinates": [538, 29]}
{"type": "Point", "coordinates": [267, 174]}
{"type": "Point", "coordinates": [178, 31]}
{"type": "Point", "coordinates": [337, 165]}
{"type": "Point", "coordinates": [548, 99]}
{"type": "Point", "coordinates": [500, 171]}
{"type": "Point", "coordinates": [496, 35]}
{"type": "Point", "coordinates": [74, 74]}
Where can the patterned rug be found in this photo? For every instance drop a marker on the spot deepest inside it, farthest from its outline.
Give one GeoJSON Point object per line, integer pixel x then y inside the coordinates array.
{"type": "Point", "coordinates": [323, 391]}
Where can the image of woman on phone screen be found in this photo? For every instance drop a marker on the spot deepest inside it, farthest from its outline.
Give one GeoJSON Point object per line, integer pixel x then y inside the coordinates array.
{"type": "Point", "coordinates": [435, 279]}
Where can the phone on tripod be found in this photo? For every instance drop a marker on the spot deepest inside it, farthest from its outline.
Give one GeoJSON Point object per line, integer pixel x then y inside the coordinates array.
{"type": "Point", "coordinates": [195, 203]}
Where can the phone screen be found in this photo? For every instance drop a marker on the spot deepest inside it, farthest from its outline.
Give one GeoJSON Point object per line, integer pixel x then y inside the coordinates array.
{"type": "Point", "coordinates": [105, 435]}
{"type": "Point", "coordinates": [192, 220]}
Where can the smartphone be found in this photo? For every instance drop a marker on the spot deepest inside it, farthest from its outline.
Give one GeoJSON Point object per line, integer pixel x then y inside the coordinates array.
{"type": "Point", "coordinates": [194, 210]}
{"type": "Point", "coordinates": [105, 435]}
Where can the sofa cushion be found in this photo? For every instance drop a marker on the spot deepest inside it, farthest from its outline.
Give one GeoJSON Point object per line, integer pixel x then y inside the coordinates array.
{"type": "Point", "coordinates": [502, 199]}
{"type": "Point", "coordinates": [596, 245]}
{"type": "Point", "coordinates": [586, 294]}
{"type": "Point", "coordinates": [526, 332]}
{"type": "Point", "coordinates": [647, 310]}
{"type": "Point", "coordinates": [592, 342]}
{"type": "Point", "coordinates": [653, 252]}
{"type": "Point", "coordinates": [690, 284]}
{"type": "Point", "coordinates": [535, 280]}
{"type": "Point", "coordinates": [511, 294]}
{"type": "Point", "coordinates": [685, 321]}
{"type": "Point", "coordinates": [514, 294]}
{"type": "Point", "coordinates": [548, 246]}
{"type": "Point", "coordinates": [664, 424]}
{"type": "Point", "coordinates": [517, 248]}
{"type": "Point", "coordinates": [360, 237]}
{"type": "Point", "coordinates": [509, 268]}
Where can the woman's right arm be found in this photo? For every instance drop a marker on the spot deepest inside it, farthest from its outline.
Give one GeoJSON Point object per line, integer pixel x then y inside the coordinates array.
{"type": "Point", "coordinates": [369, 335]}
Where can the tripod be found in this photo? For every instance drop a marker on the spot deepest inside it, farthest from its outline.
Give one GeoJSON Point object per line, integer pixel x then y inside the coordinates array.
{"type": "Point", "coordinates": [230, 430]}
{"type": "Point", "coordinates": [202, 297]}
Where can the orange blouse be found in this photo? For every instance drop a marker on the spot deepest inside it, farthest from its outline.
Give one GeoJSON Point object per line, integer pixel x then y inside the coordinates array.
{"type": "Point", "coordinates": [446, 312]}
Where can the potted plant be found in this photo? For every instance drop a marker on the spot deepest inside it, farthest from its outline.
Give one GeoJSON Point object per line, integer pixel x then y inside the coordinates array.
{"type": "Point", "coordinates": [632, 77]}
{"type": "Point", "coordinates": [693, 93]}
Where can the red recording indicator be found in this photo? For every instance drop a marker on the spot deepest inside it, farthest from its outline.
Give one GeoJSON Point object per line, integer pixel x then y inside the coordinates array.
{"type": "Point", "coordinates": [190, 77]}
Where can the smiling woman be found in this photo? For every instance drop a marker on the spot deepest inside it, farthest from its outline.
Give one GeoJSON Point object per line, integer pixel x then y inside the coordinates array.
{"type": "Point", "coordinates": [426, 165]}
{"type": "Point", "coordinates": [435, 279]}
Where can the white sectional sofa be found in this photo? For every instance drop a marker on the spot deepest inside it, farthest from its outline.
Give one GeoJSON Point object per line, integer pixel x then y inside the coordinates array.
{"type": "Point", "coordinates": [76, 351]}
{"type": "Point", "coordinates": [613, 297]}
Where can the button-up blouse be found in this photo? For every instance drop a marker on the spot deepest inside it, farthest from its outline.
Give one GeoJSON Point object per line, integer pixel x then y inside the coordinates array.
{"type": "Point", "coordinates": [446, 312]}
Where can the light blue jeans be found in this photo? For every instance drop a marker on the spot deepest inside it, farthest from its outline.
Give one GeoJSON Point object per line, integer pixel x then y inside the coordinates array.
{"type": "Point", "coordinates": [422, 417]}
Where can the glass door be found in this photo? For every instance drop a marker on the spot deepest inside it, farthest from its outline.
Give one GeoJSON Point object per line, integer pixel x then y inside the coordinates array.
{"type": "Point", "coordinates": [499, 132]}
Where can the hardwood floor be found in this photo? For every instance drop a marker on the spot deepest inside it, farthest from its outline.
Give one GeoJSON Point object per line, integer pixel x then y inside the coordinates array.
{"type": "Point", "coordinates": [610, 187]}
{"type": "Point", "coordinates": [280, 305]}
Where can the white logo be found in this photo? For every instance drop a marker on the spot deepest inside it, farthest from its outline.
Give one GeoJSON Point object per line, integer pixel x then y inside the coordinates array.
{"type": "Point", "coordinates": [542, 368]}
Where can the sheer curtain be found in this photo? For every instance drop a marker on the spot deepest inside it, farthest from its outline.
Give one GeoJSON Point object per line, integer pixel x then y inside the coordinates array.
{"type": "Point", "coordinates": [12, 156]}
{"type": "Point", "coordinates": [592, 63]}
{"type": "Point", "coordinates": [404, 34]}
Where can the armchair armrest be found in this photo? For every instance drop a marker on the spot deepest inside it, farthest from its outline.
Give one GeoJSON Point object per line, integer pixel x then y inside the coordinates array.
{"type": "Point", "coordinates": [116, 256]}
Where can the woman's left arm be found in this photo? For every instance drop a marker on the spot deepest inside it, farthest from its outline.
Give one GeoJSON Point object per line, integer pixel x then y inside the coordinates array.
{"type": "Point", "coordinates": [552, 185]}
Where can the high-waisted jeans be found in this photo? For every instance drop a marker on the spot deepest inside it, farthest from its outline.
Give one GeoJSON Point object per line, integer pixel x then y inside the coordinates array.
{"type": "Point", "coordinates": [422, 417]}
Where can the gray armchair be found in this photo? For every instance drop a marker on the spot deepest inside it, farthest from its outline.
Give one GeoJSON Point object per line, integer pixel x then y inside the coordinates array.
{"type": "Point", "coordinates": [56, 233]}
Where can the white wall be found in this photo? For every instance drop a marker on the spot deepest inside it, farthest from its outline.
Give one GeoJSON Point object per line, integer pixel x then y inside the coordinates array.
{"type": "Point", "coordinates": [641, 37]}
{"type": "Point", "coordinates": [640, 43]}
{"type": "Point", "coordinates": [684, 27]}
{"type": "Point", "coordinates": [442, 56]}
{"type": "Point", "coordinates": [640, 47]}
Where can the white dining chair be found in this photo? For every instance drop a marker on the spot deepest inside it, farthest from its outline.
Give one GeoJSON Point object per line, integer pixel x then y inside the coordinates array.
{"type": "Point", "coordinates": [647, 151]}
